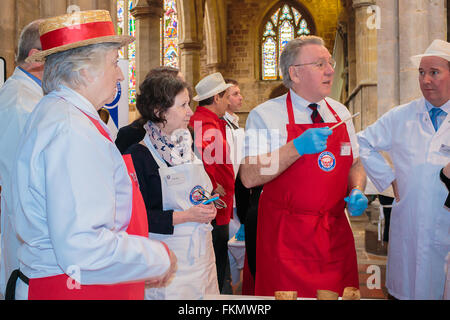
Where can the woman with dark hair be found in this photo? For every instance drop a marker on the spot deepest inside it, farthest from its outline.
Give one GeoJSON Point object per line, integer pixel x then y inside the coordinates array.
{"type": "Point", "coordinates": [174, 186]}
{"type": "Point", "coordinates": [135, 132]}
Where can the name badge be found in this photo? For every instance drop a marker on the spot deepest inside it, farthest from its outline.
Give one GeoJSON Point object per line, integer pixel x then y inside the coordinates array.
{"type": "Point", "coordinates": [174, 179]}
{"type": "Point", "coordinates": [445, 150]}
{"type": "Point", "coordinates": [346, 148]}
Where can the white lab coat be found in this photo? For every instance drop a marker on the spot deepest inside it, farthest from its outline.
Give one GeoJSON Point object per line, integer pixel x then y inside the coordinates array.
{"type": "Point", "coordinates": [419, 235]}
{"type": "Point", "coordinates": [18, 96]}
{"type": "Point", "coordinates": [196, 274]}
{"type": "Point", "coordinates": [73, 199]}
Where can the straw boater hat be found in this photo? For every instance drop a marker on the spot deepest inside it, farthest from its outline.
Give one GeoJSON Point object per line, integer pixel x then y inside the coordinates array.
{"type": "Point", "coordinates": [77, 29]}
{"type": "Point", "coordinates": [210, 86]}
{"type": "Point", "coordinates": [438, 48]}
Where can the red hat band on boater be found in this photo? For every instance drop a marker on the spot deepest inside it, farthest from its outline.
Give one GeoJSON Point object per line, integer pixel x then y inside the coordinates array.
{"type": "Point", "coordinates": [77, 29]}
{"type": "Point", "coordinates": [71, 34]}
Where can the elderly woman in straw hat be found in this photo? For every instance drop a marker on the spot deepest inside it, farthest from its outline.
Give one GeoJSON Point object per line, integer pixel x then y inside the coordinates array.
{"type": "Point", "coordinates": [78, 209]}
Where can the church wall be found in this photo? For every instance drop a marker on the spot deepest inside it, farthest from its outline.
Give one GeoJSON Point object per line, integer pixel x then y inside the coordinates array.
{"type": "Point", "coordinates": [244, 23]}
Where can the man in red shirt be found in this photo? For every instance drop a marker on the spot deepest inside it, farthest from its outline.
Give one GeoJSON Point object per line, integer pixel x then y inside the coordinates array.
{"type": "Point", "coordinates": [210, 141]}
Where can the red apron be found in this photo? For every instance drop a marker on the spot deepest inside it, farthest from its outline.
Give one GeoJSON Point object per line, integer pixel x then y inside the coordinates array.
{"type": "Point", "coordinates": [304, 240]}
{"type": "Point", "coordinates": [57, 288]}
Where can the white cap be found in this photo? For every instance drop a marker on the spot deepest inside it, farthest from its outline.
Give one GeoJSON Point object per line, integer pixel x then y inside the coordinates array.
{"type": "Point", "coordinates": [438, 48]}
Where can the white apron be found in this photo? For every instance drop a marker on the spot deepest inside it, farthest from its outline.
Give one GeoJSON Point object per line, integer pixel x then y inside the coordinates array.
{"type": "Point", "coordinates": [191, 242]}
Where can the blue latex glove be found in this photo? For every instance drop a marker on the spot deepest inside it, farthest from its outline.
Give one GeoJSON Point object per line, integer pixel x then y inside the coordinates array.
{"type": "Point", "coordinates": [357, 202]}
{"type": "Point", "coordinates": [312, 140]}
{"type": "Point", "coordinates": [240, 235]}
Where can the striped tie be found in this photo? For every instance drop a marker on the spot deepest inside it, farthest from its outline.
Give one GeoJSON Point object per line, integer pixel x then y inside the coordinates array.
{"type": "Point", "coordinates": [315, 116]}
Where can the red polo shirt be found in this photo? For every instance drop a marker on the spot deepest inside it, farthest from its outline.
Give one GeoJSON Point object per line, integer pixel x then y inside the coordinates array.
{"type": "Point", "coordinates": [210, 141]}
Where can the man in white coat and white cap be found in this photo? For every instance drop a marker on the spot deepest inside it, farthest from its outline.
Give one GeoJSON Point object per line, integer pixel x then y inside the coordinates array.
{"type": "Point", "coordinates": [416, 136]}
{"type": "Point", "coordinates": [18, 97]}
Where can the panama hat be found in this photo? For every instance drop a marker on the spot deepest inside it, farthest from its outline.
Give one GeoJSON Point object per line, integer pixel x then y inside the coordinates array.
{"type": "Point", "coordinates": [438, 48]}
{"type": "Point", "coordinates": [210, 86]}
{"type": "Point", "coordinates": [77, 29]}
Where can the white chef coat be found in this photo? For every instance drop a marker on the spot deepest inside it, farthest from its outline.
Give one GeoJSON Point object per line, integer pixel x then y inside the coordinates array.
{"type": "Point", "coordinates": [18, 96]}
{"type": "Point", "coordinates": [73, 199]}
{"type": "Point", "coordinates": [419, 235]}
{"type": "Point", "coordinates": [265, 129]}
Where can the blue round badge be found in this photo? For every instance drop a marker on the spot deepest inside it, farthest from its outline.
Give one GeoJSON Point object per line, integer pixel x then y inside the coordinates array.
{"type": "Point", "coordinates": [196, 195]}
{"type": "Point", "coordinates": [326, 161]}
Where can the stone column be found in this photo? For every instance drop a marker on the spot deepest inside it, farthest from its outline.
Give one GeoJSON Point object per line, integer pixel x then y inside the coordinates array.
{"type": "Point", "coordinates": [83, 4]}
{"type": "Point", "coordinates": [413, 39]}
{"type": "Point", "coordinates": [388, 62]}
{"type": "Point", "coordinates": [366, 63]}
{"type": "Point", "coordinates": [8, 32]}
{"type": "Point", "coordinates": [351, 51]}
{"type": "Point", "coordinates": [148, 32]}
{"type": "Point", "coordinates": [190, 38]}
{"type": "Point", "coordinates": [215, 36]}
{"type": "Point", "coordinates": [365, 43]}
{"type": "Point", "coordinates": [51, 8]}
{"type": "Point", "coordinates": [111, 6]}
{"type": "Point", "coordinates": [190, 61]}
{"type": "Point", "coordinates": [437, 19]}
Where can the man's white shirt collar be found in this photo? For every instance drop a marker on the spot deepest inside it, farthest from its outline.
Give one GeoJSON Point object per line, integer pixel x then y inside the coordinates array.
{"type": "Point", "coordinates": [445, 107]}
{"type": "Point", "coordinates": [232, 118]}
{"type": "Point", "coordinates": [302, 104]}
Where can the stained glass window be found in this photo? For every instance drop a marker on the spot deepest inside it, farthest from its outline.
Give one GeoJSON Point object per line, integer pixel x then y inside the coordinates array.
{"type": "Point", "coordinates": [280, 26]}
{"type": "Point", "coordinates": [169, 35]}
{"type": "Point", "coordinates": [126, 24]}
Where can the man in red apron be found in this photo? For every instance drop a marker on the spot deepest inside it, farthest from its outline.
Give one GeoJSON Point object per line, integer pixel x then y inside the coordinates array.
{"type": "Point", "coordinates": [304, 240]}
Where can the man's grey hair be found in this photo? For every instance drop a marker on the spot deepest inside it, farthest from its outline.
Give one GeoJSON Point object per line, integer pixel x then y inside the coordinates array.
{"type": "Point", "coordinates": [291, 51]}
{"type": "Point", "coordinates": [29, 39]}
{"type": "Point", "coordinates": [63, 68]}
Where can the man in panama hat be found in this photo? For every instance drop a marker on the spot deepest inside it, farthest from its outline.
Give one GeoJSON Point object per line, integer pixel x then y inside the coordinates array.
{"type": "Point", "coordinates": [78, 209]}
{"type": "Point", "coordinates": [210, 141]}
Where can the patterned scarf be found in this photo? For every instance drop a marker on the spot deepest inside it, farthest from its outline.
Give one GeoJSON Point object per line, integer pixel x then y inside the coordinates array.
{"type": "Point", "coordinates": [175, 149]}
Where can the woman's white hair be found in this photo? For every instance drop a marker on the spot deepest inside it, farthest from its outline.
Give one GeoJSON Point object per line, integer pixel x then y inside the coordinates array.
{"type": "Point", "coordinates": [291, 51]}
{"type": "Point", "coordinates": [63, 68]}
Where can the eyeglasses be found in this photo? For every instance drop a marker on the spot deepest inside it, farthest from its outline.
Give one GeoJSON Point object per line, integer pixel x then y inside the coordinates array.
{"type": "Point", "coordinates": [218, 203]}
{"type": "Point", "coordinates": [320, 64]}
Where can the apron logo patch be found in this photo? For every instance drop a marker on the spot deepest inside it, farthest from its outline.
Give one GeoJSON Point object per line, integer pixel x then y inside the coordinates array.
{"type": "Point", "coordinates": [326, 161]}
{"type": "Point", "coordinates": [196, 195]}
